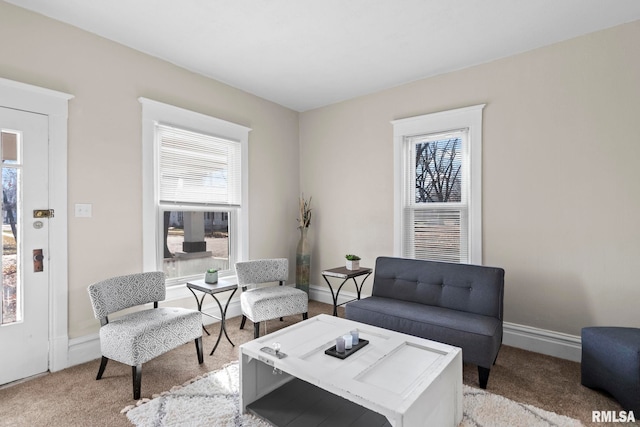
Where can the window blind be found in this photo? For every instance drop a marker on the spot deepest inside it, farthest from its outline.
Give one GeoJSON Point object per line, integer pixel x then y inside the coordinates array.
{"type": "Point", "coordinates": [436, 234]}
{"type": "Point", "coordinates": [198, 169]}
{"type": "Point", "coordinates": [435, 214]}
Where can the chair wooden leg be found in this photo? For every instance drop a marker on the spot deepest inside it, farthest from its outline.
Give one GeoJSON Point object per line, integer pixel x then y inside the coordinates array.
{"type": "Point", "coordinates": [256, 330]}
{"type": "Point", "coordinates": [244, 320]}
{"type": "Point", "coordinates": [103, 364]}
{"type": "Point", "coordinates": [137, 381]}
{"type": "Point", "coordinates": [199, 350]}
{"type": "Point", "coordinates": [305, 316]}
{"type": "Point", "coordinates": [483, 376]}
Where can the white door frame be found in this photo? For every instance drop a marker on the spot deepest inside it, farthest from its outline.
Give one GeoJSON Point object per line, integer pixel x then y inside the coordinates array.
{"type": "Point", "coordinates": [54, 104]}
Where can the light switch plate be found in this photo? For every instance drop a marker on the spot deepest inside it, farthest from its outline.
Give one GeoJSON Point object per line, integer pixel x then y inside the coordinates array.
{"type": "Point", "coordinates": [83, 210]}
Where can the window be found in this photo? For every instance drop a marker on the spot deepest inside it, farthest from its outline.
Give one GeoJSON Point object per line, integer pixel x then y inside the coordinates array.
{"type": "Point", "coordinates": [438, 186]}
{"type": "Point", "coordinates": [194, 192]}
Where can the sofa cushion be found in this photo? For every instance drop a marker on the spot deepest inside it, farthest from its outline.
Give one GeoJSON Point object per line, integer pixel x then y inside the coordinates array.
{"type": "Point", "coordinates": [271, 302]}
{"type": "Point", "coordinates": [479, 336]}
{"type": "Point", "coordinates": [135, 338]}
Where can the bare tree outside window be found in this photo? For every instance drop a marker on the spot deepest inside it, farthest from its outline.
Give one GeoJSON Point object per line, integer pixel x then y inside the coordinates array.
{"type": "Point", "coordinates": [438, 169]}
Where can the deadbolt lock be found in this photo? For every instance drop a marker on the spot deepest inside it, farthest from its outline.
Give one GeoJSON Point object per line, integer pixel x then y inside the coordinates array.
{"type": "Point", "coordinates": [43, 213]}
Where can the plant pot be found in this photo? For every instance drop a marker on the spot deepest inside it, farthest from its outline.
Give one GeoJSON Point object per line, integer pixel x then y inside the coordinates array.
{"type": "Point", "coordinates": [211, 277]}
{"type": "Point", "coordinates": [353, 265]}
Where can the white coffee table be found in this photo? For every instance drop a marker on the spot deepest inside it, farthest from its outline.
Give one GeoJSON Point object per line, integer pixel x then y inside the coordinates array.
{"type": "Point", "coordinates": [396, 379]}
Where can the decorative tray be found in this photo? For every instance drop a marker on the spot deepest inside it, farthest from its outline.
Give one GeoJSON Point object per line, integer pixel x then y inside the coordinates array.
{"type": "Point", "coordinates": [332, 351]}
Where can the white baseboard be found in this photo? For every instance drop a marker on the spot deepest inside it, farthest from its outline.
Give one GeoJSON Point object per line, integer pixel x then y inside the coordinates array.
{"type": "Point", "coordinates": [551, 343]}
{"type": "Point", "coordinates": [84, 349]}
{"type": "Point", "coordinates": [322, 294]}
{"type": "Point", "coordinates": [556, 344]}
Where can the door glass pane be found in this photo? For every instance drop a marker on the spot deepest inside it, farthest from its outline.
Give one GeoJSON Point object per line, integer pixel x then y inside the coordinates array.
{"type": "Point", "coordinates": [11, 283]}
{"type": "Point", "coordinates": [195, 241]}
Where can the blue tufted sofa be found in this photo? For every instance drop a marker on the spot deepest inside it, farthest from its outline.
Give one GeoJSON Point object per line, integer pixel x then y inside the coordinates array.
{"type": "Point", "coordinates": [457, 304]}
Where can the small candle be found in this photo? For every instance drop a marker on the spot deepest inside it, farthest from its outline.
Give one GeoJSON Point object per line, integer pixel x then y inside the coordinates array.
{"type": "Point", "coordinates": [355, 337]}
{"type": "Point", "coordinates": [340, 345]}
{"type": "Point", "coordinates": [276, 347]}
{"type": "Point", "coordinates": [348, 342]}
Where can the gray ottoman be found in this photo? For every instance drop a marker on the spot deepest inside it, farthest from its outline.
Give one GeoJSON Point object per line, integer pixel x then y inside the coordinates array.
{"type": "Point", "coordinates": [611, 362]}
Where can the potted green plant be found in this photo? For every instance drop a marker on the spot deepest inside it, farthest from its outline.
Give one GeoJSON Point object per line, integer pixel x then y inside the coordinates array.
{"type": "Point", "coordinates": [353, 262]}
{"type": "Point", "coordinates": [211, 276]}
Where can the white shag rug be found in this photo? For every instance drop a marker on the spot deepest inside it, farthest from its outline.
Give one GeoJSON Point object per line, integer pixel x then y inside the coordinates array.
{"type": "Point", "coordinates": [213, 400]}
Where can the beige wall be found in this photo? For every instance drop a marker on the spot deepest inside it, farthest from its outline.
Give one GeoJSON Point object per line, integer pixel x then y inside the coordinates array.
{"type": "Point", "coordinates": [561, 187]}
{"type": "Point", "coordinates": [561, 182]}
{"type": "Point", "coordinates": [104, 156]}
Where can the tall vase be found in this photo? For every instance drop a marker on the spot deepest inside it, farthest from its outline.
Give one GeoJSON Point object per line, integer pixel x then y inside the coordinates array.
{"type": "Point", "coordinates": [303, 261]}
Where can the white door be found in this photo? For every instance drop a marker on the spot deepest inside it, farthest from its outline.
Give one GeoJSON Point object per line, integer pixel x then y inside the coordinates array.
{"type": "Point", "coordinates": [24, 316]}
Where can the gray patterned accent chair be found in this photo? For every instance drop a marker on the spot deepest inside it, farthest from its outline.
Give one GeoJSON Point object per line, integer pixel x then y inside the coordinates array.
{"type": "Point", "coordinates": [137, 337]}
{"type": "Point", "coordinates": [261, 303]}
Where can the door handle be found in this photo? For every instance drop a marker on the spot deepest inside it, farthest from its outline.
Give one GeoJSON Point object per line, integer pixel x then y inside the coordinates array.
{"type": "Point", "coordinates": [38, 265]}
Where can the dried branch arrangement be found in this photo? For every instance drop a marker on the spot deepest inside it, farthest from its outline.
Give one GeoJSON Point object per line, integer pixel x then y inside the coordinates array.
{"type": "Point", "coordinates": [305, 213]}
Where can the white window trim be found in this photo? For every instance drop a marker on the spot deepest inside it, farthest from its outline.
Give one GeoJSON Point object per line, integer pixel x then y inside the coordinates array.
{"type": "Point", "coordinates": [157, 112]}
{"type": "Point", "coordinates": [468, 117]}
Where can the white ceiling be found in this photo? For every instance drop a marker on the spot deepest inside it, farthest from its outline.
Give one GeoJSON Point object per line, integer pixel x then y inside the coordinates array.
{"type": "Point", "coordinates": [305, 54]}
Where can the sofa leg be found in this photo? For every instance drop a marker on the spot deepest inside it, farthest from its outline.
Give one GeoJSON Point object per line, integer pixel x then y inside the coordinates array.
{"type": "Point", "coordinates": [483, 376]}
{"type": "Point", "coordinates": [305, 316]}
{"type": "Point", "coordinates": [137, 381]}
{"type": "Point", "coordinates": [256, 330]}
{"type": "Point", "coordinates": [103, 364]}
{"type": "Point", "coordinates": [199, 350]}
{"type": "Point", "coordinates": [244, 320]}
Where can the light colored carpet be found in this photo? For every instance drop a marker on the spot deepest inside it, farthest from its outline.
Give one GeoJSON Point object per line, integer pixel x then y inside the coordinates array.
{"type": "Point", "coordinates": [213, 400]}
{"type": "Point", "coordinates": [210, 400]}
